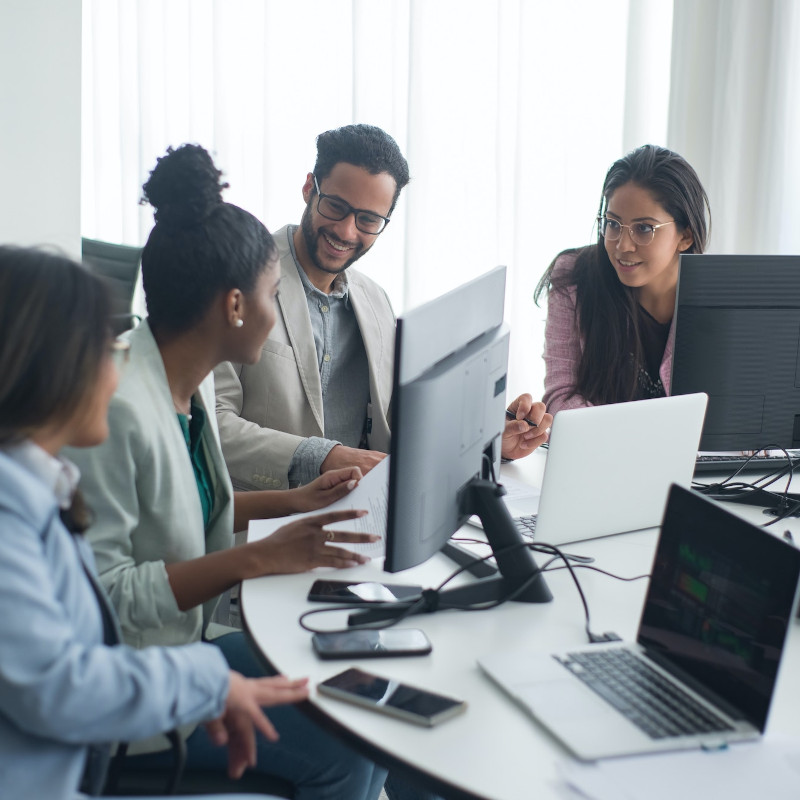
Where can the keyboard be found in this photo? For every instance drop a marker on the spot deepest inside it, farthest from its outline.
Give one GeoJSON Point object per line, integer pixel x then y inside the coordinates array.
{"type": "Point", "coordinates": [725, 462]}
{"type": "Point", "coordinates": [643, 695]}
{"type": "Point", "coordinates": [526, 525]}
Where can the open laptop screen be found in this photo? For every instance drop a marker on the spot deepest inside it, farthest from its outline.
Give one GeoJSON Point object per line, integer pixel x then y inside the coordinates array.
{"type": "Point", "coordinates": [720, 602]}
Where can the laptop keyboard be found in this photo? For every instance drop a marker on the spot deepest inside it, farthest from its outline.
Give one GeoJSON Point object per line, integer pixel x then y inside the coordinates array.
{"type": "Point", "coordinates": [526, 525]}
{"type": "Point", "coordinates": [651, 702]}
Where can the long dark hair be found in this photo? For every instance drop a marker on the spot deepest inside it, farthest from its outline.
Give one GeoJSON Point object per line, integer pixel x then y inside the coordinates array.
{"type": "Point", "coordinates": [54, 332]}
{"type": "Point", "coordinates": [200, 246]}
{"type": "Point", "coordinates": [607, 309]}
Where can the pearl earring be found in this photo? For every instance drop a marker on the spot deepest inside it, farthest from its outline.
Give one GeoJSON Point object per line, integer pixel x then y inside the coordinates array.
{"type": "Point", "coordinates": [239, 322]}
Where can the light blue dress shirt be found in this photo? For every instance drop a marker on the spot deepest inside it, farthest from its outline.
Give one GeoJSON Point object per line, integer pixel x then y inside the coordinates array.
{"type": "Point", "coordinates": [61, 688]}
{"type": "Point", "coordinates": [343, 371]}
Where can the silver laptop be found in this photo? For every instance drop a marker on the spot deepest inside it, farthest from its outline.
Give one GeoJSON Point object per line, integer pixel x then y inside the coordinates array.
{"type": "Point", "coordinates": [707, 654]}
{"type": "Point", "coordinates": [609, 468]}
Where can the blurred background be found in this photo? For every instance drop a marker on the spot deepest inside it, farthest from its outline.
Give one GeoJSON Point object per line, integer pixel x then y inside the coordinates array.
{"type": "Point", "coordinates": [509, 112]}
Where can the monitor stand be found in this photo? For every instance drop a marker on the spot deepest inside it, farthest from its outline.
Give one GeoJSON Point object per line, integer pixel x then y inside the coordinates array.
{"type": "Point", "coordinates": [466, 558]}
{"type": "Point", "coordinates": [518, 571]}
{"type": "Point", "coordinates": [517, 576]}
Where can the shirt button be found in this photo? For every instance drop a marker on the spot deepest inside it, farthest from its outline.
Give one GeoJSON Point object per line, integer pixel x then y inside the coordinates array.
{"type": "Point", "coordinates": [324, 308]}
{"type": "Point", "coordinates": [326, 357]}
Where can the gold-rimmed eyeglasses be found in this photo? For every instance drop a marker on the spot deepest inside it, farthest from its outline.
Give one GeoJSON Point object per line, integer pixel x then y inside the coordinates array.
{"type": "Point", "coordinates": [642, 233]}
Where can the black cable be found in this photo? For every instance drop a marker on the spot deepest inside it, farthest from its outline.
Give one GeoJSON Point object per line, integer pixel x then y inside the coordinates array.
{"type": "Point", "coordinates": [540, 547]}
{"type": "Point", "coordinates": [597, 569]}
{"type": "Point", "coordinates": [469, 540]}
{"type": "Point", "coordinates": [407, 608]}
{"type": "Point", "coordinates": [429, 597]}
{"type": "Point", "coordinates": [489, 461]}
{"type": "Point", "coordinates": [770, 477]}
{"type": "Point", "coordinates": [530, 536]}
{"type": "Point", "coordinates": [790, 509]}
{"type": "Point", "coordinates": [728, 490]}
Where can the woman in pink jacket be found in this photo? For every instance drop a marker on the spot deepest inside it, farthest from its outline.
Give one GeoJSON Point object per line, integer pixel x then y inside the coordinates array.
{"type": "Point", "coordinates": [608, 337]}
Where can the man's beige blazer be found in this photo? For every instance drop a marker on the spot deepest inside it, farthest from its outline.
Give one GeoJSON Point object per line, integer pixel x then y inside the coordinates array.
{"type": "Point", "coordinates": [266, 409]}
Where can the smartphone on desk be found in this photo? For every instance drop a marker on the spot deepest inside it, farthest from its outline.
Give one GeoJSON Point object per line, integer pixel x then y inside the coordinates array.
{"type": "Point", "coordinates": [331, 591]}
{"type": "Point", "coordinates": [391, 697]}
{"type": "Point", "coordinates": [371, 643]}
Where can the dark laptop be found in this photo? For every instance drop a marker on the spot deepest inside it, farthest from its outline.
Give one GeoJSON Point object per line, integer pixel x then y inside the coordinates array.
{"type": "Point", "coordinates": [703, 670]}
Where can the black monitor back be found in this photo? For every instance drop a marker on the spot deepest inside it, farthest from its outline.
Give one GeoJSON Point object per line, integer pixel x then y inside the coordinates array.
{"type": "Point", "coordinates": [737, 338]}
{"type": "Point", "coordinates": [448, 408]}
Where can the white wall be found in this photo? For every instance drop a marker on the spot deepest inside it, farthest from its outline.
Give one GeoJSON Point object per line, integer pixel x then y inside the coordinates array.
{"type": "Point", "coordinates": [40, 122]}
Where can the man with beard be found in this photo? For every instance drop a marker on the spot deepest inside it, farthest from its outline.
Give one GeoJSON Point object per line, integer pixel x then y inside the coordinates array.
{"type": "Point", "coordinates": [319, 397]}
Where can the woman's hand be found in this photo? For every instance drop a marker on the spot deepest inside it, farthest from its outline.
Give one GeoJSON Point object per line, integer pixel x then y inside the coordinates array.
{"type": "Point", "coordinates": [330, 486]}
{"type": "Point", "coordinates": [305, 544]}
{"type": "Point", "coordinates": [519, 437]}
{"type": "Point", "coordinates": [242, 716]}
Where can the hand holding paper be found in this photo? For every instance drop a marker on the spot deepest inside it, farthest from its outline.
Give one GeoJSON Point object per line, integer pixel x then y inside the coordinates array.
{"type": "Point", "coordinates": [371, 495]}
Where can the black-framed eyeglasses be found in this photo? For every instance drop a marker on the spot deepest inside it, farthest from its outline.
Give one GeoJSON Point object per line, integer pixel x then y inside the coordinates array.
{"type": "Point", "coordinates": [642, 233]}
{"type": "Point", "coordinates": [332, 207]}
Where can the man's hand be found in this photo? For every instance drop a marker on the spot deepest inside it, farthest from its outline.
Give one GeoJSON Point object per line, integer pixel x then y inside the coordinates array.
{"type": "Point", "coordinates": [342, 456]}
{"type": "Point", "coordinates": [520, 438]}
{"type": "Point", "coordinates": [242, 716]}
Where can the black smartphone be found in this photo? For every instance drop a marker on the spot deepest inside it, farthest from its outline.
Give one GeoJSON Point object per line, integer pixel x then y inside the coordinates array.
{"type": "Point", "coordinates": [329, 591]}
{"type": "Point", "coordinates": [372, 643]}
{"type": "Point", "coordinates": [391, 697]}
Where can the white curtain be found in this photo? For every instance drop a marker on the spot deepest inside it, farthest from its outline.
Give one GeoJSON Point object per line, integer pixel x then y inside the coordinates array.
{"type": "Point", "coordinates": [735, 115]}
{"type": "Point", "coordinates": [509, 112]}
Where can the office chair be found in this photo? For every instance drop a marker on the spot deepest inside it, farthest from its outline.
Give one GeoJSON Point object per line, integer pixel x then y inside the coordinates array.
{"type": "Point", "coordinates": [123, 781]}
{"type": "Point", "coordinates": [158, 782]}
{"type": "Point", "coordinates": [117, 265]}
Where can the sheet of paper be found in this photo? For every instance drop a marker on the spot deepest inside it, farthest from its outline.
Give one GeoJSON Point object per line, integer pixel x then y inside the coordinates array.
{"type": "Point", "coordinates": [521, 498]}
{"type": "Point", "coordinates": [768, 768]}
{"type": "Point", "coordinates": [372, 494]}
{"type": "Point", "coordinates": [518, 492]}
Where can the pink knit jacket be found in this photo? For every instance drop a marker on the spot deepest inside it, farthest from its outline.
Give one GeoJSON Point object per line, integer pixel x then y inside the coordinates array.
{"type": "Point", "coordinates": [563, 346]}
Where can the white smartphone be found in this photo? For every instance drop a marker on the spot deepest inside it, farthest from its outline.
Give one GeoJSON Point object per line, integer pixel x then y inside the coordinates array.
{"type": "Point", "coordinates": [333, 591]}
{"type": "Point", "coordinates": [370, 643]}
{"type": "Point", "coordinates": [391, 697]}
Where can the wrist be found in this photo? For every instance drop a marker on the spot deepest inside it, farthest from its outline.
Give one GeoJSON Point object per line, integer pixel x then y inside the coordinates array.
{"type": "Point", "coordinates": [255, 560]}
{"type": "Point", "coordinates": [297, 500]}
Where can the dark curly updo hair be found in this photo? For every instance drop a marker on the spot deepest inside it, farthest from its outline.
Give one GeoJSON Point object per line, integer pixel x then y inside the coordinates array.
{"type": "Point", "coordinates": [200, 246]}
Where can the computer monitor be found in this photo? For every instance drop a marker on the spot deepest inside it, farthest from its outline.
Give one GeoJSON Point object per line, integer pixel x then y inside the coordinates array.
{"type": "Point", "coordinates": [448, 415]}
{"type": "Point", "coordinates": [737, 338]}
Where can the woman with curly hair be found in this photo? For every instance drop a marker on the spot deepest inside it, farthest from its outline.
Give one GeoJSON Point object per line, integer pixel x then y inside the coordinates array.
{"type": "Point", "coordinates": [164, 507]}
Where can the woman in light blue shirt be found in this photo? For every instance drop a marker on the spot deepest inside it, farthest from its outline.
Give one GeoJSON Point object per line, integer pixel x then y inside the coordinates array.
{"type": "Point", "coordinates": [68, 689]}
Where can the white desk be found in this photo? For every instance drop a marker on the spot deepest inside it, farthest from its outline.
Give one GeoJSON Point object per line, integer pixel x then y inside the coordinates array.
{"type": "Point", "coordinates": [494, 750]}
